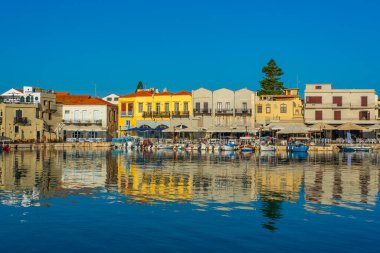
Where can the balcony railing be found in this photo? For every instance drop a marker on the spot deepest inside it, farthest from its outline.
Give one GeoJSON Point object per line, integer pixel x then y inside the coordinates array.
{"type": "Point", "coordinates": [126, 114]}
{"type": "Point", "coordinates": [244, 111]}
{"type": "Point", "coordinates": [198, 112]}
{"type": "Point", "coordinates": [147, 114]}
{"type": "Point", "coordinates": [224, 111]}
{"type": "Point", "coordinates": [21, 120]}
{"type": "Point", "coordinates": [180, 114]}
{"type": "Point", "coordinates": [83, 122]}
{"type": "Point", "coordinates": [161, 115]}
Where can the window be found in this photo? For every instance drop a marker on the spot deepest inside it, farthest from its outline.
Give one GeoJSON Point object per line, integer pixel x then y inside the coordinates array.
{"type": "Point", "coordinates": [318, 87]}
{"type": "Point", "coordinates": [337, 100]}
{"type": "Point", "coordinates": [186, 107]}
{"type": "Point", "coordinates": [115, 99]}
{"type": "Point", "coordinates": [76, 115]}
{"type": "Point", "coordinates": [337, 115]}
{"type": "Point", "coordinates": [140, 107]}
{"type": "Point", "coordinates": [109, 99]}
{"type": "Point", "coordinates": [245, 107]}
{"type": "Point", "coordinates": [149, 107]}
{"type": "Point", "coordinates": [96, 115]}
{"type": "Point", "coordinates": [76, 134]}
{"type": "Point", "coordinates": [228, 105]}
{"type": "Point", "coordinates": [29, 99]}
{"type": "Point", "coordinates": [123, 109]}
{"type": "Point", "coordinates": [176, 107]}
{"type": "Point", "coordinates": [283, 108]}
{"type": "Point", "coordinates": [297, 112]}
{"type": "Point", "coordinates": [219, 106]}
{"type": "Point", "coordinates": [92, 134]}
{"type": "Point", "coordinates": [127, 123]}
{"type": "Point", "coordinates": [318, 115]}
{"type": "Point", "coordinates": [364, 101]}
{"type": "Point", "coordinates": [205, 106]}
{"type": "Point", "coordinates": [364, 115]}
{"type": "Point", "coordinates": [22, 100]}
{"type": "Point", "coordinates": [36, 98]}
{"type": "Point", "coordinates": [130, 109]}
{"type": "Point", "coordinates": [166, 107]}
{"type": "Point", "coordinates": [66, 116]}
{"type": "Point", "coordinates": [84, 115]}
{"type": "Point", "coordinates": [314, 100]}
{"type": "Point", "coordinates": [37, 113]}
{"type": "Point", "coordinates": [18, 113]}
{"type": "Point", "coordinates": [197, 106]}
{"type": "Point", "coordinates": [16, 129]}
{"type": "Point", "coordinates": [267, 108]}
{"type": "Point", "coordinates": [158, 107]}
{"type": "Point", "coordinates": [259, 109]}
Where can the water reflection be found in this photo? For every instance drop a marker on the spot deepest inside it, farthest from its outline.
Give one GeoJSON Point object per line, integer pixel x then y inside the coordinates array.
{"type": "Point", "coordinates": [225, 181]}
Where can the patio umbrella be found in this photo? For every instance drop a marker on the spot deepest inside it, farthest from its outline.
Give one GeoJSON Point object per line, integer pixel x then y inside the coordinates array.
{"type": "Point", "coordinates": [350, 126]}
{"type": "Point", "coordinates": [374, 127]}
{"type": "Point", "coordinates": [320, 127]}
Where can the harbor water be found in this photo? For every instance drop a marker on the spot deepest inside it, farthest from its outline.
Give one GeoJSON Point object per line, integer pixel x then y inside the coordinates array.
{"type": "Point", "coordinates": [101, 200]}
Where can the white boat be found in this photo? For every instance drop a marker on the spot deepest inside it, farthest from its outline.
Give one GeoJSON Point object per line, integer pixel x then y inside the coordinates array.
{"type": "Point", "coordinates": [267, 147]}
{"type": "Point", "coordinates": [230, 147]}
{"type": "Point", "coordinates": [164, 146]}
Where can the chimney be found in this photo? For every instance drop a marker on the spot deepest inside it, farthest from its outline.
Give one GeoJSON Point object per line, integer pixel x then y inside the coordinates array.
{"type": "Point", "coordinates": [165, 90]}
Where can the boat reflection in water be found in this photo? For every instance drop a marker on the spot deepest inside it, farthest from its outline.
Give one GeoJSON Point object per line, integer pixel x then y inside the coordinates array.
{"type": "Point", "coordinates": [265, 188]}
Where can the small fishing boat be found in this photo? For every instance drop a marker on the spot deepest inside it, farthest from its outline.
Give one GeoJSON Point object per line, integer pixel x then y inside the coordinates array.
{"type": "Point", "coordinates": [165, 146]}
{"type": "Point", "coordinates": [268, 147]}
{"type": "Point", "coordinates": [229, 147]}
{"type": "Point", "coordinates": [297, 147]}
{"type": "Point", "coordinates": [246, 148]}
{"type": "Point", "coordinates": [355, 148]}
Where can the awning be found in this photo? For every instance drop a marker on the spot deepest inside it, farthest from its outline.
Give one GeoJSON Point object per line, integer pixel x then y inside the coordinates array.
{"type": "Point", "coordinates": [374, 127]}
{"type": "Point", "coordinates": [284, 125]}
{"type": "Point", "coordinates": [320, 127]}
{"type": "Point", "coordinates": [350, 126]}
{"type": "Point", "coordinates": [181, 129]}
{"type": "Point", "coordinates": [294, 129]}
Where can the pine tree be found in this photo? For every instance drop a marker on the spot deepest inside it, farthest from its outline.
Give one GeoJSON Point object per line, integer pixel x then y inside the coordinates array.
{"type": "Point", "coordinates": [139, 86]}
{"type": "Point", "coordinates": [271, 84]}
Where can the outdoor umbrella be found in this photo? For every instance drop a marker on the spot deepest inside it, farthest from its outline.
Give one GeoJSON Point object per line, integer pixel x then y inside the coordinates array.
{"type": "Point", "coordinates": [350, 126]}
{"type": "Point", "coordinates": [320, 127]}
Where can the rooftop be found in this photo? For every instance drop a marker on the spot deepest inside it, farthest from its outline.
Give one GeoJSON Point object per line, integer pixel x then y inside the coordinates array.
{"type": "Point", "coordinates": [67, 99]}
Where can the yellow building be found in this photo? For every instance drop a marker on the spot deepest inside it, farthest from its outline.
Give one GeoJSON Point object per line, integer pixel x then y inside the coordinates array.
{"type": "Point", "coordinates": [279, 108]}
{"type": "Point", "coordinates": [152, 109]}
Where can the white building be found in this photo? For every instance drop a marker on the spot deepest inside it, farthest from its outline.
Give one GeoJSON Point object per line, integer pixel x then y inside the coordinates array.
{"type": "Point", "coordinates": [112, 98]}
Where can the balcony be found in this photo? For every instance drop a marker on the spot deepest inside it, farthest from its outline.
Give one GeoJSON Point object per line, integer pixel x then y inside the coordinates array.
{"type": "Point", "coordinates": [83, 122]}
{"type": "Point", "coordinates": [336, 106]}
{"type": "Point", "coordinates": [224, 112]}
{"type": "Point", "coordinates": [126, 114]}
{"type": "Point", "coordinates": [243, 112]}
{"type": "Point", "coordinates": [180, 114]}
{"type": "Point", "coordinates": [21, 121]}
{"type": "Point", "coordinates": [50, 109]}
{"type": "Point", "coordinates": [147, 114]}
{"type": "Point", "coordinates": [201, 112]}
{"type": "Point", "coordinates": [161, 115]}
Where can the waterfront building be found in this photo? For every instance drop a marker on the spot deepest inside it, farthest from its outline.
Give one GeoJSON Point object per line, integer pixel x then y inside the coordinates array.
{"type": "Point", "coordinates": [152, 109]}
{"type": "Point", "coordinates": [31, 114]}
{"type": "Point", "coordinates": [339, 106]}
{"type": "Point", "coordinates": [87, 118]}
{"type": "Point", "coordinates": [112, 98]}
{"type": "Point", "coordinates": [224, 110]}
{"type": "Point", "coordinates": [287, 107]}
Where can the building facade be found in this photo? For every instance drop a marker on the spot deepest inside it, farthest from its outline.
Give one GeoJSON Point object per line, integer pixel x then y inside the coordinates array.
{"type": "Point", "coordinates": [31, 108]}
{"type": "Point", "coordinates": [224, 110]}
{"type": "Point", "coordinates": [339, 106]}
{"type": "Point", "coordinates": [87, 118]}
{"type": "Point", "coordinates": [279, 108]}
{"type": "Point", "coordinates": [152, 109]}
{"type": "Point", "coordinates": [112, 98]}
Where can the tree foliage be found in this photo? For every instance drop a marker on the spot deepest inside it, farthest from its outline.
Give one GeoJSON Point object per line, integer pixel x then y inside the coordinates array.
{"type": "Point", "coordinates": [139, 86]}
{"type": "Point", "coordinates": [271, 84]}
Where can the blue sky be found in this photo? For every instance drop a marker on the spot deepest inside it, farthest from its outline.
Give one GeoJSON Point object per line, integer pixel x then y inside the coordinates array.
{"type": "Point", "coordinates": [183, 45]}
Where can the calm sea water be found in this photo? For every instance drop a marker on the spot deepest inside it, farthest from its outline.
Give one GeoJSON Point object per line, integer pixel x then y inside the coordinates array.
{"type": "Point", "coordinates": [98, 201]}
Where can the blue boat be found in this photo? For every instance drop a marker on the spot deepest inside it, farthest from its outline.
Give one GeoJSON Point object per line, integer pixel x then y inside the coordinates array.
{"type": "Point", "coordinates": [297, 147]}
{"type": "Point", "coordinates": [355, 148]}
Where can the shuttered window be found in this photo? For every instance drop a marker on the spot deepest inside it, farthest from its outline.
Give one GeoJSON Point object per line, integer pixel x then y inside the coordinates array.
{"type": "Point", "coordinates": [318, 115]}
{"type": "Point", "coordinates": [313, 100]}
{"type": "Point", "coordinates": [337, 100]}
{"type": "Point", "coordinates": [337, 115]}
{"type": "Point", "coordinates": [364, 101]}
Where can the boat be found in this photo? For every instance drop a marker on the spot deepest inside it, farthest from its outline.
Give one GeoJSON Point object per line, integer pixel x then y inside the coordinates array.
{"type": "Point", "coordinates": [268, 147]}
{"type": "Point", "coordinates": [229, 147]}
{"type": "Point", "coordinates": [246, 148]}
{"type": "Point", "coordinates": [355, 148]}
{"type": "Point", "coordinates": [165, 146]}
{"type": "Point", "coordinates": [297, 147]}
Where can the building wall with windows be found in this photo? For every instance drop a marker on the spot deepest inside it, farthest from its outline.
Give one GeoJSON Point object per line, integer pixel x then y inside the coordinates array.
{"type": "Point", "coordinates": [279, 108]}
{"type": "Point", "coordinates": [87, 118]}
{"type": "Point", "coordinates": [151, 108]}
{"type": "Point", "coordinates": [224, 109]}
{"type": "Point", "coordinates": [339, 106]}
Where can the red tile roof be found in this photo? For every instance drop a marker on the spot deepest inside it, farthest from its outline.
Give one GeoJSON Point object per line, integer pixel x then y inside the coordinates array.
{"type": "Point", "coordinates": [19, 90]}
{"type": "Point", "coordinates": [67, 99]}
{"type": "Point", "coordinates": [142, 93]}
{"type": "Point", "coordinates": [182, 93]}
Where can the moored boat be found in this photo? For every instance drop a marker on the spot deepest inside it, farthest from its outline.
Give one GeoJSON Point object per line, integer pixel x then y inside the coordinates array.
{"type": "Point", "coordinates": [297, 147]}
{"type": "Point", "coordinates": [355, 148]}
{"type": "Point", "coordinates": [246, 148]}
{"type": "Point", "coordinates": [268, 147]}
{"type": "Point", "coordinates": [229, 147]}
